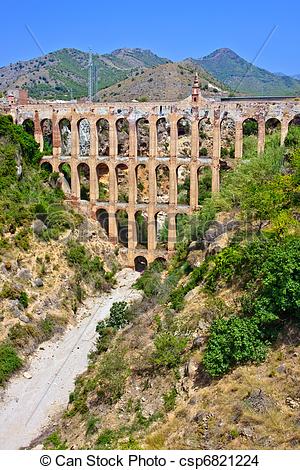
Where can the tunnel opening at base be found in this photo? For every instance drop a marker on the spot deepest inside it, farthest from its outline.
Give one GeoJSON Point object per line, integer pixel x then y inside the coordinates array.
{"type": "Point", "coordinates": [140, 264]}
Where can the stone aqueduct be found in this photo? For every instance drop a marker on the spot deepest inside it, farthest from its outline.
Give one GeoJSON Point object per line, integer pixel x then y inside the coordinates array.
{"type": "Point", "coordinates": [194, 110]}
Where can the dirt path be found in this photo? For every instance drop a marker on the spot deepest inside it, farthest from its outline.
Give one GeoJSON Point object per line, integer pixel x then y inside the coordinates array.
{"type": "Point", "coordinates": [28, 404]}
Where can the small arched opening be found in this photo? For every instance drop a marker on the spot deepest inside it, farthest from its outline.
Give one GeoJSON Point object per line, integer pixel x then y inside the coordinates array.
{"type": "Point", "coordinates": [65, 137]}
{"type": "Point", "coordinates": [141, 225]}
{"type": "Point", "coordinates": [163, 137]}
{"type": "Point", "coordinates": [103, 137]}
{"type": "Point", "coordinates": [205, 137]}
{"type": "Point", "coordinates": [161, 229]}
{"type": "Point", "coordinates": [162, 184]}
{"type": "Point", "coordinates": [47, 167]}
{"type": "Point", "coordinates": [28, 126]}
{"type": "Point", "coordinates": [84, 137]}
{"type": "Point", "coordinates": [103, 182]}
{"type": "Point", "coordinates": [227, 138]}
{"type": "Point", "coordinates": [142, 184]}
{"type": "Point", "coordinates": [183, 185]}
{"type": "Point", "coordinates": [65, 170]}
{"type": "Point", "coordinates": [102, 218]}
{"type": "Point", "coordinates": [184, 133]}
{"type": "Point", "coordinates": [122, 226]}
{"type": "Point", "coordinates": [250, 137]}
{"type": "Point", "coordinates": [122, 126]}
{"type": "Point", "coordinates": [140, 264]}
{"type": "Point", "coordinates": [143, 137]}
{"type": "Point", "coordinates": [46, 126]}
{"type": "Point", "coordinates": [204, 175]}
{"type": "Point", "coordinates": [84, 181]}
{"type": "Point", "coordinates": [122, 182]}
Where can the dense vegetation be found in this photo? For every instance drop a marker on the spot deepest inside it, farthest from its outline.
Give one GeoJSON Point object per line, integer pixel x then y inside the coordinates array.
{"type": "Point", "coordinates": [261, 260]}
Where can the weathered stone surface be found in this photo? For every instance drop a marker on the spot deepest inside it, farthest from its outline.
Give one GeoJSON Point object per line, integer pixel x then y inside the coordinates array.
{"type": "Point", "coordinates": [24, 274]}
{"type": "Point", "coordinates": [259, 401]}
{"type": "Point", "coordinates": [38, 226]}
{"type": "Point", "coordinates": [38, 282]}
{"type": "Point", "coordinates": [24, 319]}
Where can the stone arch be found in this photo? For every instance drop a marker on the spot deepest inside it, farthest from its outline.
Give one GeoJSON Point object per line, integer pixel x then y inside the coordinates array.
{"type": "Point", "coordinates": [142, 184]}
{"type": "Point", "coordinates": [250, 126]}
{"type": "Point", "coordinates": [250, 137]}
{"type": "Point", "coordinates": [140, 264]}
{"type": "Point", "coordinates": [103, 137]}
{"type": "Point", "coordinates": [46, 166]}
{"type": "Point", "coordinates": [28, 126]}
{"type": "Point", "coordinates": [162, 184]}
{"type": "Point", "coordinates": [65, 137]}
{"type": "Point", "coordinates": [295, 121]}
{"type": "Point", "coordinates": [273, 131]}
{"type": "Point", "coordinates": [83, 171]}
{"type": "Point", "coordinates": [184, 135]}
{"type": "Point", "coordinates": [46, 127]}
{"type": "Point", "coordinates": [143, 137]}
{"type": "Point", "coordinates": [65, 169]}
{"type": "Point", "coordinates": [183, 185]}
{"type": "Point", "coordinates": [122, 182]}
{"type": "Point", "coordinates": [122, 126]}
{"type": "Point", "coordinates": [103, 219]}
{"type": "Point", "coordinates": [141, 226]}
{"type": "Point", "coordinates": [227, 132]}
{"type": "Point", "coordinates": [163, 137]}
{"type": "Point", "coordinates": [293, 136]}
{"type": "Point", "coordinates": [103, 182]}
{"type": "Point", "coordinates": [122, 226]}
{"type": "Point", "coordinates": [161, 262]}
{"type": "Point", "coordinates": [161, 229]}
{"type": "Point", "coordinates": [273, 125]}
{"type": "Point", "coordinates": [205, 129]}
{"type": "Point", "coordinates": [84, 137]}
{"type": "Point", "coordinates": [204, 177]}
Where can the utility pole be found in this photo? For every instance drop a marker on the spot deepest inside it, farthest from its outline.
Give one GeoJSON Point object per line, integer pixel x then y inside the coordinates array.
{"type": "Point", "coordinates": [90, 76]}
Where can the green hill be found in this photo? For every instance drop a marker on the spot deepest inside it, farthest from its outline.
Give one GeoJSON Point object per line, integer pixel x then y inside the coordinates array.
{"type": "Point", "coordinates": [63, 74]}
{"type": "Point", "coordinates": [241, 76]}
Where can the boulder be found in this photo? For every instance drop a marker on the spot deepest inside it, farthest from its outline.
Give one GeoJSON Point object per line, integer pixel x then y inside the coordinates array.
{"type": "Point", "coordinates": [27, 375]}
{"type": "Point", "coordinates": [24, 274]}
{"type": "Point", "coordinates": [214, 232]}
{"type": "Point", "coordinates": [198, 342]}
{"type": "Point", "coordinates": [24, 319]}
{"type": "Point", "coordinates": [38, 282]}
{"type": "Point", "coordinates": [38, 226]}
{"type": "Point", "coordinates": [198, 245]}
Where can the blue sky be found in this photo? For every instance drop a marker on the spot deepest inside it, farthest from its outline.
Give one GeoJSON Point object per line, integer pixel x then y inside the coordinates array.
{"type": "Point", "coordinates": [171, 29]}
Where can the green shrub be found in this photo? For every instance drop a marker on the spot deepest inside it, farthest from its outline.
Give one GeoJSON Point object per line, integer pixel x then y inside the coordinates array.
{"type": "Point", "coordinates": [54, 442]}
{"type": "Point", "coordinates": [169, 399]}
{"type": "Point", "coordinates": [112, 375]}
{"type": "Point", "coordinates": [23, 299]}
{"type": "Point", "coordinates": [9, 362]}
{"type": "Point", "coordinates": [169, 350]}
{"type": "Point", "coordinates": [231, 342]}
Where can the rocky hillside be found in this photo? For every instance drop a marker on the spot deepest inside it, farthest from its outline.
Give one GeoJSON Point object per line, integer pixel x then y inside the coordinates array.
{"type": "Point", "coordinates": [64, 73]}
{"type": "Point", "coordinates": [243, 77]}
{"type": "Point", "coordinates": [168, 82]}
{"type": "Point", "coordinates": [45, 269]}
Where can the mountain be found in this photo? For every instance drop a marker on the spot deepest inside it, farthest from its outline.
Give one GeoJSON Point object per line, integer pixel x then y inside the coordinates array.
{"type": "Point", "coordinates": [297, 77]}
{"type": "Point", "coordinates": [64, 73]}
{"type": "Point", "coordinates": [241, 76]}
{"type": "Point", "coordinates": [168, 82]}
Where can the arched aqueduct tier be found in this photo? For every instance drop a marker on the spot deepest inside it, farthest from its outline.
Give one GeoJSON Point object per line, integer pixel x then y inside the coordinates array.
{"type": "Point", "coordinates": [103, 145]}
